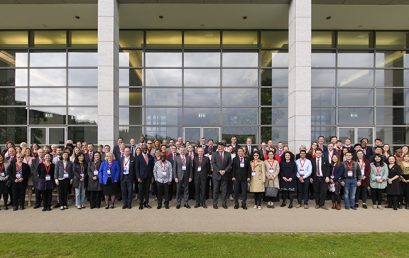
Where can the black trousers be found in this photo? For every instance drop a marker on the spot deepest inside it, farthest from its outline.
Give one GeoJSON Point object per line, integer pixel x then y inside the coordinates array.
{"type": "Point", "coordinates": [47, 196]}
{"type": "Point", "coordinates": [4, 193]}
{"type": "Point", "coordinates": [287, 195]}
{"type": "Point", "coordinates": [126, 189]}
{"type": "Point", "coordinates": [63, 188]}
{"type": "Point", "coordinates": [376, 196]}
{"type": "Point", "coordinates": [95, 199]}
{"type": "Point", "coordinates": [182, 189]}
{"type": "Point", "coordinates": [19, 194]}
{"type": "Point", "coordinates": [361, 192]}
{"type": "Point", "coordinates": [257, 198]}
{"type": "Point", "coordinates": [143, 195]}
{"type": "Point", "coordinates": [320, 191]}
{"type": "Point", "coordinates": [38, 197]}
{"type": "Point", "coordinates": [220, 185]}
{"type": "Point", "coordinates": [302, 190]}
{"type": "Point", "coordinates": [209, 187]}
{"type": "Point", "coordinates": [162, 190]}
{"type": "Point", "coordinates": [240, 187]}
{"type": "Point", "coordinates": [394, 201]}
{"type": "Point", "coordinates": [200, 180]}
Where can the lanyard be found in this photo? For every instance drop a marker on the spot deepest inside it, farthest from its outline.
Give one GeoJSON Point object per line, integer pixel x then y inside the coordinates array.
{"type": "Point", "coordinates": [349, 164]}
{"type": "Point", "coordinates": [301, 163]}
{"type": "Point", "coordinates": [18, 167]}
{"type": "Point", "coordinates": [47, 168]}
{"type": "Point", "coordinates": [126, 163]}
{"type": "Point", "coordinates": [271, 163]}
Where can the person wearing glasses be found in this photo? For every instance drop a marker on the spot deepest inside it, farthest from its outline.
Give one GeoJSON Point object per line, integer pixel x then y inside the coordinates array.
{"type": "Point", "coordinates": [19, 173]}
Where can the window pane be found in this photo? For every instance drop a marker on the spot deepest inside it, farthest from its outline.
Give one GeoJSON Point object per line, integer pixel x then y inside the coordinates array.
{"type": "Point", "coordinates": [163, 59]}
{"type": "Point", "coordinates": [83, 77]}
{"type": "Point", "coordinates": [235, 59]}
{"type": "Point", "coordinates": [84, 39]}
{"type": "Point", "coordinates": [202, 39]}
{"type": "Point", "coordinates": [355, 59]}
{"type": "Point", "coordinates": [274, 97]}
{"type": "Point", "coordinates": [46, 96]}
{"type": "Point", "coordinates": [323, 116]}
{"type": "Point", "coordinates": [157, 97]}
{"type": "Point", "coordinates": [355, 97]}
{"type": "Point", "coordinates": [130, 97]}
{"type": "Point", "coordinates": [240, 39]}
{"type": "Point", "coordinates": [322, 77]}
{"type": "Point", "coordinates": [274, 39]}
{"type": "Point", "coordinates": [162, 132]}
{"type": "Point", "coordinates": [47, 115]}
{"type": "Point", "coordinates": [130, 39]}
{"type": "Point", "coordinates": [274, 59]}
{"type": "Point", "coordinates": [13, 77]}
{"type": "Point", "coordinates": [13, 38]}
{"type": "Point", "coordinates": [131, 116]}
{"type": "Point", "coordinates": [266, 133]}
{"type": "Point", "coordinates": [393, 135]}
{"type": "Point", "coordinates": [391, 40]}
{"type": "Point", "coordinates": [82, 115]}
{"type": "Point", "coordinates": [322, 39]}
{"type": "Point", "coordinates": [87, 134]}
{"type": "Point", "coordinates": [323, 59]}
{"type": "Point", "coordinates": [322, 130]}
{"type": "Point", "coordinates": [392, 97]}
{"type": "Point", "coordinates": [202, 59]}
{"type": "Point", "coordinates": [13, 58]}
{"type": "Point", "coordinates": [163, 77]}
{"type": "Point", "coordinates": [13, 96]}
{"type": "Point", "coordinates": [129, 132]}
{"type": "Point", "coordinates": [202, 77]}
{"type": "Point", "coordinates": [355, 116]}
{"type": "Point", "coordinates": [163, 39]}
{"type": "Point", "coordinates": [50, 38]}
{"type": "Point", "coordinates": [81, 59]}
{"type": "Point", "coordinates": [14, 134]}
{"type": "Point", "coordinates": [389, 59]}
{"type": "Point", "coordinates": [163, 116]}
{"type": "Point", "coordinates": [48, 59]}
{"type": "Point", "coordinates": [202, 97]}
{"type": "Point", "coordinates": [274, 77]}
{"type": "Point", "coordinates": [130, 77]}
{"type": "Point", "coordinates": [387, 78]}
{"type": "Point", "coordinates": [131, 58]}
{"type": "Point", "coordinates": [392, 116]}
{"type": "Point", "coordinates": [353, 39]}
{"type": "Point", "coordinates": [240, 116]}
{"type": "Point", "coordinates": [240, 77]}
{"type": "Point", "coordinates": [241, 133]}
{"type": "Point", "coordinates": [352, 78]}
{"type": "Point", "coordinates": [83, 97]}
{"type": "Point", "coordinates": [322, 97]}
{"type": "Point", "coordinates": [239, 97]}
{"type": "Point", "coordinates": [274, 116]}
{"type": "Point", "coordinates": [201, 116]}
{"type": "Point", "coordinates": [13, 116]}
{"type": "Point", "coordinates": [47, 77]}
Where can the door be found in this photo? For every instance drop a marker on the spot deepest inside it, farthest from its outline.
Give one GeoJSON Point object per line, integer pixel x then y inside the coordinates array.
{"type": "Point", "coordinates": [356, 133]}
{"type": "Point", "coordinates": [194, 134]}
{"type": "Point", "coordinates": [47, 135]}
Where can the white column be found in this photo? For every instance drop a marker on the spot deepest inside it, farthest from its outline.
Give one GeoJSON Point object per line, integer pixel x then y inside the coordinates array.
{"type": "Point", "coordinates": [108, 72]}
{"type": "Point", "coordinates": [299, 74]}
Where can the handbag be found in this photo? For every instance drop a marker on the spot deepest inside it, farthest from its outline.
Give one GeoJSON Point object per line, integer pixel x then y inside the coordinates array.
{"type": "Point", "coordinates": [271, 191]}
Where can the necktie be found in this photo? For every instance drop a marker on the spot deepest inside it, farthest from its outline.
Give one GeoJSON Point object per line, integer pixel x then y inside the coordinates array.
{"type": "Point", "coordinates": [146, 158]}
{"type": "Point", "coordinates": [318, 168]}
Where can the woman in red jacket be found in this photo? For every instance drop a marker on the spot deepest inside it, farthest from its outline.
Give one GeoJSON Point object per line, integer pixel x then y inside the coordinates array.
{"type": "Point", "coordinates": [365, 167]}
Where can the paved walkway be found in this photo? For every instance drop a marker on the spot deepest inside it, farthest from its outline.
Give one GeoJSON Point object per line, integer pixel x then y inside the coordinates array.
{"type": "Point", "coordinates": [204, 220]}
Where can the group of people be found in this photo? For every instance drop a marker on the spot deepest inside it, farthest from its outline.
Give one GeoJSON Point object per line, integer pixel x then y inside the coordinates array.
{"type": "Point", "coordinates": [205, 170]}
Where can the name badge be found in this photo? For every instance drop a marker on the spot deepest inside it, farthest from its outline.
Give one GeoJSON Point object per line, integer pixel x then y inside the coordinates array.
{"type": "Point", "coordinates": [199, 169]}
{"type": "Point", "coordinates": [332, 177]}
{"type": "Point", "coordinates": [95, 172]}
{"type": "Point", "coordinates": [126, 171]}
{"type": "Point", "coordinates": [109, 172]}
{"type": "Point", "coordinates": [271, 171]}
{"type": "Point", "coordinates": [183, 167]}
{"type": "Point", "coordinates": [242, 165]}
{"type": "Point", "coordinates": [378, 177]}
{"type": "Point", "coordinates": [164, 173]}
{"type": "Point", "coordinates": [301, 170]}
{"type": "Point", "coordinates": [65, 175]}
{"type": "Point", "coordinates": [47, 178]}
{"type": "Point", "coordinates": [2, 174]}
{"type": "Point", "coordinates": [18, 176]}
{"type": "Point", "coordinates": [82, 175]}
{"type": "Point", "coordinates": [253, 173]}
{"type": "Point", "coordinates": [350, 173]}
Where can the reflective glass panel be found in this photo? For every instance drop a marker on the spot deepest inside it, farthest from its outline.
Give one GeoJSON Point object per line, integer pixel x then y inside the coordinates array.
{"type": "Point", "coordinates": [353, 39]}
{"type": "Point", "coordinates": [50, 38]}
{"type": "Point", "coordinates": [47, 77]}
{"type": "Point", "coordinates": [47, 97]}
{"type": "Point", "coordinates": [82, 115]}
{"type": "Point", "coordinates": [13, 58]}
{"type": "Point", "coordinates": [274, 77]}
{"type": "Point", "coordinates": [83, 96]}
{"type": "Point", "coordinates": [88, 133]}
{"type": "Point", "coordinates": [352, 78]}
{"type": "Point", "coordinates": [322, 39]}
{"type": "Point", "coordinates": [323, 77]}
{"type": "Point", "coordinates": [13, 38]}
{"type": "Point", "coordinates": [355, 59]}
{"type": "Point", "coordinates": [163, 59]}
{"type": "Point", "coordinates": [13, 116]}
{"type": "Point", "coordinates": [355, 97]}
{"type": "Point", "coordinates": [201, 116]}
{"type": "Point", "coordinates": [202, 77]}
{"type": "Point", "coordinates": [389, 59]}
{"type": "Point", "coordinates": [391, 39]}
{"type": "Point", "coordinates": [243, 59]}
{"type": "Point", "coordinates": [163, 116]}
{"type": "Point", "coordinates": [274, 39]}
{"type": "Point", "coordinates": [202, 59]}
{"type": "Point", "coordinates": [239, 97]}
{"type": "Point", "coordinates": [130, 77]}
{"type": "Point", "coordinates": [130, 39]}
{"type": "Point", "coordinates": [322, 97]}
{"type": "Point", "coordinates": [240, 39]}
{"type": "Point", "coordinates": [202, 39]}
{"type": "Point", "coordinates": [130, 97]}
{"type": "Point", "coordinates": [163, 39]}
{"type": "Point", "coordinates": [202, 97]}
{"type": "Point", "coordinates": [13, 96]}
{"type": "Point", "coordinates": [47, 115]}
{"type": "Point", "coordinates": [13, 77]}
{"type": "Point", "coordinates": [131, 116]}
{"type": "Point", "coordinates": [131, 58]}
{"type": "Point", "coordinates": [48, 59]}
{"type": "Point", "coordinates": [323, 59]}
{"type": "Point", "coordinates": [388, 78]}
{"type": "Point", "coordinates": [240, 77]}
{"type": "Point", "coordinates": [84, 39]}
{"type": "Point", "coordinates": [164, 97]}
{"type": "Point", "coordinates": [274, 59]}
{"type": "Point", "coordinates": [81, 59]}
{"type": "Point", "coordinates": [163, 77]}
{"type": "Point", "coordinates": [356, 116]}
{"type": "Point", "coordinates": [240, 116]}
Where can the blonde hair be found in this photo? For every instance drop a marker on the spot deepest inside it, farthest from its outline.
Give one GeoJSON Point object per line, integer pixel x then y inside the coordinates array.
{"type": "Point", "coordinates": [109, 154]}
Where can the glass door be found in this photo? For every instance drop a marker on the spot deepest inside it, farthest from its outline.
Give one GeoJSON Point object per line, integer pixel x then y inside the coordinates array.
{"type": "Point", "coordinates": [356, 133]}
{"type": "Point", "coordinates": [194, 134]}
{"type": "Point", "coordinates": [47, 135]}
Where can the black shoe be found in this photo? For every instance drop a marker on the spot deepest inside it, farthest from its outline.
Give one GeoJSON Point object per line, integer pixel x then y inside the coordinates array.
{"type": "Point", "coordinates": [57, 205]}
{"type": "Point", "coordinates": [44, 209]}
{"type": "Point", "coordinates": [35, 207]}
{"type": "Point", "coordinates": [49, 209]}
{"type": "Point", "coordinates": [141, 207]}
{"type": "Point", "coordinates": [395, 208]}
{"type": "Point", "coordinates": [204, 205]}
{"type": "Point", "coordinates": [6, 208]}
{"type": "Point", "coordinates": [225, 206]}
{"type": "Point", "coordinates": [364, 206]}
{"type": "Point", "coordinates": [159, 207]}
{"type": "Point", "coordinates": [283, 204]}
{"type": "Point", "coordinates": [244, 207]}
{"type": "Point", "coordinates": [197, 205]}
{"type": "Point", "coordinates": [354, 208]}
{"type": "Point", "coordinates": [290, 206]}
{"type": "Point", "coordinates": [187, 206]}
{"type": "Point", "coordinates": [107, 207]}
{"type": "Point", "coordinates": [215, 206]}
{"type": "Point", "coordinates": [15, 208]}
{"type": "Point", "coordinates": [22, 208]}
{"type": "Point", "coordinates": [236, 206]}
{"type": "Point", "coordinates": [129, 207]}
{"type": "Point", "coordinates": [167, 206]}
{"type": "Point", "coordinates": [356, 205]}
{"type": "Point", "coordinates": [178, 206]}
{"type": "Point", "coordinates": [112, 206]}
{"type": "Point", "coordinates": [124, 207]}
{"type": "Point", "coordinates": [148, 206]}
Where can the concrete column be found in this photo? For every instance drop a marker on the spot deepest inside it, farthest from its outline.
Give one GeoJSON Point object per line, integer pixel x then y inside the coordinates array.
{"type": "Point", "coordinates": [299, 74]}
{"type": "Point", "coordinates": [108, 72]}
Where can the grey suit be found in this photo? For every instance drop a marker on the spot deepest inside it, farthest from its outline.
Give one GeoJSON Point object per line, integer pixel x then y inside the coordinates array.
{"type": "Point", "coordinates": [34, 172]}
{"type": "Point", "coordinates": [183, 178]}
{"type": "Point", "coordinates": [221, 162]}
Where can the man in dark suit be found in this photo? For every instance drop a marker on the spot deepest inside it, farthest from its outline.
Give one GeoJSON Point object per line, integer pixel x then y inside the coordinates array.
{"type": "Point", "coordinates": [368, 151]}
{"type": "Point", "coordinates": [320, 177]}
{"type": "Point", "coordinates": [89, 156]}
{"type": "Point", "coordinates": [127, 175]}
{"type": "Point", "coordinates": [34, 170]}
{"type": "Point", "coordinates": [171, 158]}
{"type": "Point", "coordinates": [321, 144]}
{"type": "Point", "coordinates": [331, 151]}
{"type": "Point", "coordinates": [241, 171]}
{"type": "Point", "coordinates": [117, 149]}
{"type": "Point", "coordinates": [201, 169]}
{"type": "Point", "coordinates": [182, 172]}
{"type": "Point", "coordinates": [209, 148]}
{"type": "Point", "coordinates": [234, 144]}
{"type": "Point", "coordinates": [263, 151]}
{"type": "Point", "coordinates": [144, 173]}
{"type": "Point", "coordinates": [222, 164]}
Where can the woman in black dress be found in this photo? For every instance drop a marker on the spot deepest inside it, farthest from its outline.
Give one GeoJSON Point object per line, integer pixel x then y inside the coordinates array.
{"type": "Point", "coordinates": [288, 175]}
{"type": "Point", "coordinates": [393, 188]}
{"type": "Point", "coordinates": [45, 182]}
{"type": "Point", "coordinates": [19, 173]}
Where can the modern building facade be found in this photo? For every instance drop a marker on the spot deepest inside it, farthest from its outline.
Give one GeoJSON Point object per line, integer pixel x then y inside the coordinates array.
{"type": "Point", "coordinates": [282, 70]}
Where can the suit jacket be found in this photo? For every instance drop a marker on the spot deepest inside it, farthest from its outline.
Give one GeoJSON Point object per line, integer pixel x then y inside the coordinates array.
{"type": "Point", "coordinates": [324, 164]}
{"type": "Point", "coordinates": [131, 170]}
{"type": "Point", "coordinates": [213, 149]}
{"type": "Point", "coordinates": [93, 185]}
{"type": "Point", "coordinates": [117, 152]}
{"type": "Point", "coordinates": [42, 184]}
{"type": "Point", "coordinates": [59, 170]}
{"type": "Point", "coordinates": [170, 158]}
{"type": "Point", "coordinates": [239, 173]}
{"type": "Point", "coordinates": [177, 168]}
{"type": "Point", "coordinates": [34, 170]}
{"type": "Point", "coordinates": [205, 165]}
{"type": "Point", "coordinates": [261, 153]}
{"type": "Point", "coordinates": [103, 172]}
{"type": "Point", "coordinates": [89, 158]}
{"type": "Point", "coordinates": [25, 172]}
{"type": "Point", "coordinates": [142, 170]}
{"type": "Point", "coordinates": [327, 157]}
{"type": "Point", "coordinates": [77, 174]}
{"type": "Point", "coordinates": [221, 164]}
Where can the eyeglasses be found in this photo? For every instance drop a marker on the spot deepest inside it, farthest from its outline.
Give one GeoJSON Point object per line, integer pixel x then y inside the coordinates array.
{"type": "Point", "coordinates": [20, 157]}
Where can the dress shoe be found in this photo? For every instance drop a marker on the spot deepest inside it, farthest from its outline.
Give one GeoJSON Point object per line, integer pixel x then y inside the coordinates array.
{"type": "Point", "coordinates": [123, 207]}
{"type": "Point", "coordinates": [187, 206]}
{"type": "Point", "coordinates": [364, 206]}
{"type": "Point", "coordinates": [107, 207]}
{"type": "Point", "coordinates": [167, 206]}
{"type": "Point", "coordinates": [215, 206]}
{"type": "Point", "coordinates": [22, 208]}
{"type": "Point", "coordinates": [204, 205]}
{"type": "Point", "coordinates": [44, 209]}
{"type": "Point", "coordinates": [140, 207]}
{"type": "Point", "coordinates": [15, 208]}
{"type": "Point", "coordinates": [225, 206]}
{"type": "Point", "coordinates": [129, 207]}
{"type": "Point", "coordinates": [49, 209]}
{"type": "Point", "coordinates": [159, 207]}
{"type": "Point", "coordinates": [112, 206]}
{"type": "Point", "coordinates": [147, 206]}
{"type": "Point", "coordinates": [178, 206]}
{"type": "Point", "coordinates": [298, 206]}
{"type": "Point", "coordinates": [324, 207]}
{"type": "Point", "coordinates": [334, 205]}
{"type": "Point", "coordinates": [244, 207]}
{"type": "Point", "coordinates": [354, 208]}
{"type": "Point", "coordinates": [290, 206]}
{"type": "Point", "coordinates": [305, 206]}
{"type": "Point", "coordinates": [197, 205]}
{"type": "Point", "coordinates": [338, 206]}
{"type": "Point", "coordinates": [236, 206]}
{"type": "Point", "coordinates": [35, 207]}
{"type": "Point", "coordinates": [282, 204]}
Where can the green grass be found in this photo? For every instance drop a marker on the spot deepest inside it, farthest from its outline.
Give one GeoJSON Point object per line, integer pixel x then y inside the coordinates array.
{"type": "Point", "coordinates": [204, 245]}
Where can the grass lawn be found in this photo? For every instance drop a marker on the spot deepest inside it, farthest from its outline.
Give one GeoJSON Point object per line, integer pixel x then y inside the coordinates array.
{"type": "Point", "coordinates": [204, 245]}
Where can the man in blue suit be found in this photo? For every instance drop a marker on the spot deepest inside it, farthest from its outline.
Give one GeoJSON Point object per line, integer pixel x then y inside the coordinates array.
{"type": "Point", "coordinates": [144, 173]}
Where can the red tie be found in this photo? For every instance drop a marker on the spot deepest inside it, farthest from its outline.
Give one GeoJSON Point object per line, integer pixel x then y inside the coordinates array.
{"type": "Point", "coordinates": [146, 158]}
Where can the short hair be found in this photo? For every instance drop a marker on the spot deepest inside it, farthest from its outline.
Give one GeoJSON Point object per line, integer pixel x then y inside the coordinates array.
{"type": "Point", "coordinates": [303, 151]}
